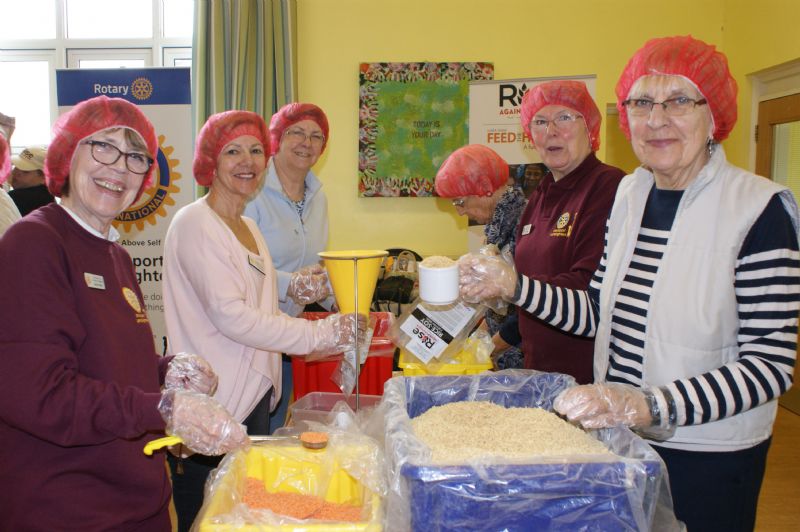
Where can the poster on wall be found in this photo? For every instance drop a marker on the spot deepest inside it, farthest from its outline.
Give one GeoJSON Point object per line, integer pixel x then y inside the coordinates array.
{"type": "Point", "coordinates": [411, 117]}
{"type": "Point", "coordinates": [164, 96]}
{"type": "Point", "coordinates": [494, 121]}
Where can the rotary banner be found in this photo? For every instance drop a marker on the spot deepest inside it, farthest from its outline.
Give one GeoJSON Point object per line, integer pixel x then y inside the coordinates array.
{"type": "Point", "coordinates": [164, 96]}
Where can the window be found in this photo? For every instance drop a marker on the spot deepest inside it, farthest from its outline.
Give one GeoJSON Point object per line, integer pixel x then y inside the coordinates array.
{"type": "Point", "coordinates": [40, 36]}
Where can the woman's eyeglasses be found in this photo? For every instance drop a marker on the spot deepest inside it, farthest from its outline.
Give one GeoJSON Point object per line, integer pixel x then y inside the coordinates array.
{"type": "Point", "coordinates": [108, 154]}
{"type": "Point", "coordinates": [673, 107]}
{"type": "Point", "coordinates": [458, 202]}
{"type": "Point", "coordinates": [562, 121]}
{"type": "Point", "coordinates": [298, 136]}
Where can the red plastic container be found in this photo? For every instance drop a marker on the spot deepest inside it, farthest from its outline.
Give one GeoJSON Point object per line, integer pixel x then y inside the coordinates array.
{"type": "Point", "coordinates": [315, 376]}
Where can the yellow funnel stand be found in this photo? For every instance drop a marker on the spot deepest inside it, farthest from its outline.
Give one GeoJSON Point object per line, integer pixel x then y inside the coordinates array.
{"type": "Point", "coordinates": [353, 275]}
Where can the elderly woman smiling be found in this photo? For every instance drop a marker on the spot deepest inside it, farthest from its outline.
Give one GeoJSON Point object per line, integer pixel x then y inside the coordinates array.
{"type": "Point", "coordinates": [221, 292]}
{"type": "Point", "coordinates": [694, 306]}
{"type": "Point", "coordinates": [80, 376]}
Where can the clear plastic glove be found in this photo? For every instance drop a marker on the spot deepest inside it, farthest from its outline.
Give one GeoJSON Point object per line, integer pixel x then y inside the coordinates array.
{"type": "Point", "coordinates": [201, 422]}
{"type": "Point", "coordinates": [483, 277]}
{"type": "Point", "coordinates": [597, 406]}
{"type": "Point", "coordinates": [309, 284]}
{"type": "Point", "coordinates": [192, 373]}
{"type": "Point", "coordinates": [337, 333]}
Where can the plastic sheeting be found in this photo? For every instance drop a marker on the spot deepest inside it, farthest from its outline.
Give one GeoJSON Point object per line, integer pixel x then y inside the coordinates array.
{"type": "Point", "coordinates": [628, 492]}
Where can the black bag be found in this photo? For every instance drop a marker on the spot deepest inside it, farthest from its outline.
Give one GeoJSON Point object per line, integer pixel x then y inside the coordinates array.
{"type": "Point", "coordinates": [397, 283]}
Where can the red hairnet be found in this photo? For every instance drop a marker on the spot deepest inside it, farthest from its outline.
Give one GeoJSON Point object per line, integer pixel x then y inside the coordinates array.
{"type": "Point", "coordinates": [472, 170]}
{"type": "Point", "coordinates": [291, 113]}
{"type": "Point", "coordinates": [572, 94]}
{"type": "Point", "coordinates": [85, 119]}
{"type": "Point", "coordinates": [696, 61]}
{"type": "Point", "coordinates": [219, 130]}
{"type": "Point", "coordinates": [5, 160]}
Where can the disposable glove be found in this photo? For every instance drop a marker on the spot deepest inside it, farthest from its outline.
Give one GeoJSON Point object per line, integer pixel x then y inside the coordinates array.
{"type": "Point", "coordinates": [309, 284]}
{"type": "Point", "coordinates": [597, 406]}
{"type": "Point", "coordinates": [337, 333]}
{"type": "Point", "coordinates": [483, 277]}
{"type": "Point", "coordinates": [201, 422]}
{"type": "Point", "coordinates": [192, 373]}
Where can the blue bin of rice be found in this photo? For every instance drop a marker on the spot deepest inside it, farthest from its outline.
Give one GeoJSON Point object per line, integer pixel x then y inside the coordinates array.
{"type": "Point", "coordinates": [624, 491]}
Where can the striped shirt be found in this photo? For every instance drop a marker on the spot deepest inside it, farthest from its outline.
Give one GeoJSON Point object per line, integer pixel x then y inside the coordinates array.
{"type": "Point", "coordinates": [767, 285]}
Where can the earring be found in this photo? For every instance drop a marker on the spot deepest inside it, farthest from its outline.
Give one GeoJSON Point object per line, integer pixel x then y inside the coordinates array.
{"type": "Point", "coordinates": [711, 146]}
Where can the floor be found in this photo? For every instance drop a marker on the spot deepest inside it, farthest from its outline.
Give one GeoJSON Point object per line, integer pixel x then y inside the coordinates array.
{"type": "Point", "coordinates": [779, 502]}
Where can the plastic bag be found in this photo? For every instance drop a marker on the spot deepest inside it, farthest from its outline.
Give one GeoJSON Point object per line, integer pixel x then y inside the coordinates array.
{"type": "Point", "coordinates": [348, 471]}
{"type": "Point", "coordinates": [559, 493]}
{"type": "Point", "coordinates": [435, 332]}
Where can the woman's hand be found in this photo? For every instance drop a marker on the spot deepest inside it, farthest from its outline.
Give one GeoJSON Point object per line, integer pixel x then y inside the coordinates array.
{"type": "Point", "coordinates": [191, 373]}
{"type": "Point", "coordinates": [337, 333]}
{"type": "Point", "coordinates": [597, 406]}
{"type": "Point", "coordinates": [201, 422]}
{"type": "Point", "coordinates": [483, 277]}
{"type": "Point", "coordinates": [309, 284]}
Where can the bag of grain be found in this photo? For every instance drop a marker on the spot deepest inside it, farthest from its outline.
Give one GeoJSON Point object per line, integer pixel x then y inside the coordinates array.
{"type": "Point", "coordinates": [623, 489]}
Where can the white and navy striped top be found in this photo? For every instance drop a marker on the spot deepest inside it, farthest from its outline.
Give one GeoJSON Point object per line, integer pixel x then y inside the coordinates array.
{"type": "Point", "coordinates": [767, 293]}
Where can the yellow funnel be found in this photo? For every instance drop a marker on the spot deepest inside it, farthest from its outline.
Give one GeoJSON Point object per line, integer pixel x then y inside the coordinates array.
{"type": "Point", "coordinates": [343, 267]}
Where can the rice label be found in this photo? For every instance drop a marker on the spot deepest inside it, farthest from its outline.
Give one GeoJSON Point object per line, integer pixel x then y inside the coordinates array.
{"type": "Point", "coordinates": [431, 331]}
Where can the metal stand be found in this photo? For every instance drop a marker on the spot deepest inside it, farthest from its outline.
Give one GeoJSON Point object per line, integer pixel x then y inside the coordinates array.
{"type": "Point", "coordinates": [358, 353]}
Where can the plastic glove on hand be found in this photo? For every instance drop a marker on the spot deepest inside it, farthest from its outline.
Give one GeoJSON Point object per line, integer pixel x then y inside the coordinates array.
{"type": "Point", "coordinates": [597, 406]}
{"type": "Point", "coordinates": [483, 277]}
{"type": "Point", "coordinates": [337, 333]}
{"type": "Point", "coordinates": [192, 373]}
{"type": "Point", "coordinates": [309, 284]}
{"type": "Point", "coordinates": [201, 422]}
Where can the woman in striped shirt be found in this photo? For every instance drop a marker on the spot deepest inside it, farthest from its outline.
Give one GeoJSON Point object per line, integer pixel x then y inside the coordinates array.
{"type": "Point", "coordinates": [695, 303]}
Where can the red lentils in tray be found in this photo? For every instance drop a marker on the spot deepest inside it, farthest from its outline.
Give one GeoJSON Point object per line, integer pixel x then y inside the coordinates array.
{"type": "Point", "coordinates": [296, 505]}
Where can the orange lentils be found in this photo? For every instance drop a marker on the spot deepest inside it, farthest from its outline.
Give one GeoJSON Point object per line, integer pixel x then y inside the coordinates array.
{"type": "Point", "coordinates": [297, 505]}
{"type": "Point", "coordinates": [314, 440]}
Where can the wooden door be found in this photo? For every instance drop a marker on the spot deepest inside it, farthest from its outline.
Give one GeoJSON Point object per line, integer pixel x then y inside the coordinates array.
{"type": "Point", "coordinates": [778, 158]}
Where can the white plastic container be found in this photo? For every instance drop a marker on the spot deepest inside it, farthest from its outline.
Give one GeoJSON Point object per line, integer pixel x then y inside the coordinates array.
{"type": "Point", "coordinates": [438, 286]}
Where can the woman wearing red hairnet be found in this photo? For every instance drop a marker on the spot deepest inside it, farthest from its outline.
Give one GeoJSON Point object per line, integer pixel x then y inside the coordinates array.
{"type": "Point", "coordinates": [291, 212]}
{"type": "Point", "coordinates": [221, 292]}
{"type": "Point", "coordinates": [8, 209]}
{"type": "Point", "coordinates": [80, 376]}
{"type": "Point", "coordinates": [477, 178]}
{"type": "Point", "coordinates": [560, 232]}
{"type": "Point", "coordinates": [694, 306]}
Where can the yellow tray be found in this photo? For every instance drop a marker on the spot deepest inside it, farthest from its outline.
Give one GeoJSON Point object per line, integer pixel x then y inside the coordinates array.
{"type": "Point", "coordinates": [292, 469]}
{"type": "Point", "coordinates": [415, 368]}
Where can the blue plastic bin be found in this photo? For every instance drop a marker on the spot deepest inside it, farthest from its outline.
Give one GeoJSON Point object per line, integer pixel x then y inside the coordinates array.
{"type": "Point", "coordinates": [618, 494]}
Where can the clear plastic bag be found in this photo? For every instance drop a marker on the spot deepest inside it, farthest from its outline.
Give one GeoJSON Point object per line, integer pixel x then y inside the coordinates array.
{"type": "Point", "coordinates": [629, 492]}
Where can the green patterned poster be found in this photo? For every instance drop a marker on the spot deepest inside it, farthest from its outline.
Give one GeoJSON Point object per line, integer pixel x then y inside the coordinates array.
{"type": "Point", "coordinates": [411, 117]}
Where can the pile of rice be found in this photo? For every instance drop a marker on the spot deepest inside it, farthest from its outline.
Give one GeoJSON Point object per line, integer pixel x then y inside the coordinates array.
{"type": "Point", "coordinates": [461, 431]}
{"type": "Point", "coordinates": [438, 261]}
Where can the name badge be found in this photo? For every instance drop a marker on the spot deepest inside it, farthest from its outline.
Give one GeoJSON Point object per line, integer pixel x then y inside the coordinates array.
{"type": "Point", "coordinates": [94, 281]}
{"type": "Point", "coordinates": [257, 263]}
{"type": "Point", "coordinates": [526, 229]}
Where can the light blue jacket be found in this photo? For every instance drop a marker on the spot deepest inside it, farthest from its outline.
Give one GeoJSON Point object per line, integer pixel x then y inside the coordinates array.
{"type": "Point", "coordinates": [293, 241]}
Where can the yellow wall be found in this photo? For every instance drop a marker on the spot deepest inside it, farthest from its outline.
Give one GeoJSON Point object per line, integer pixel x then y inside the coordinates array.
{"type": "Point", "coordinates": [758, 35]}
{"type": "Point", "coordinates": [523, 38]}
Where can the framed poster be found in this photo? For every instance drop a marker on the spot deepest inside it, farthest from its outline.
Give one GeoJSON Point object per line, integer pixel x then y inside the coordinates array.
{"type": "Point", "coordinates": [411, 117]}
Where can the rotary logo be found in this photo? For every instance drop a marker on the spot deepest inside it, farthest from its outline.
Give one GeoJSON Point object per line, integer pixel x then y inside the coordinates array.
{"type": "Point", "coordinates": [130, 297]}
{"type": "Point", "coordinates": [151, 204]}
{"type": "Point", "coordinates": [563, 220]}
{"type": "Point", "coordinates": [141, 88]}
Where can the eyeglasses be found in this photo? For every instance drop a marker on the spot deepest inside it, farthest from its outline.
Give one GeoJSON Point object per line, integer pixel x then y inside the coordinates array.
{"type": "Point", "coordinates": [562, 121]}
{"type": "Point", "coordinates": [458, 202]}
{"type": "Point", "coordinates": [298, 136]}
{"type": "Point", "coordinates": [108, 154]}
{"type": "Point", "coordinates": [673, 107]}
